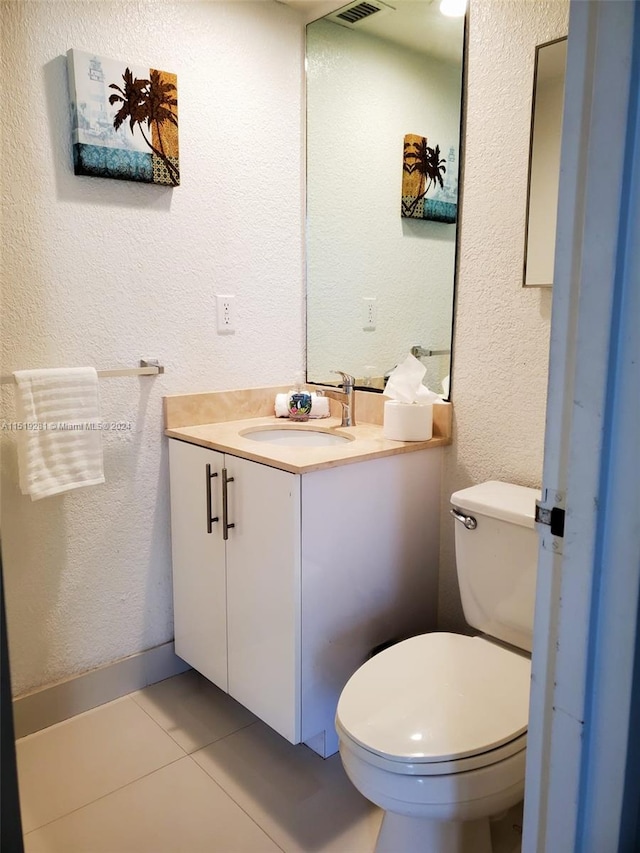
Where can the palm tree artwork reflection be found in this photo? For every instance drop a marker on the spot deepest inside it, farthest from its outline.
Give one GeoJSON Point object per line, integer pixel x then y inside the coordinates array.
{"type": "Point", "coordinates": [424, 170]}
{"type": "Point", "coordinates": [125, 120]}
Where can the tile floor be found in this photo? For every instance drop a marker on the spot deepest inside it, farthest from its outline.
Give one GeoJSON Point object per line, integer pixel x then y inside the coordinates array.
{"type": "Point", "coordinates": [179, 767]}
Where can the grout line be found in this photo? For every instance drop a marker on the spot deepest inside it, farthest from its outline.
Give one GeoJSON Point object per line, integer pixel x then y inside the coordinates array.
{"type": "Point", "coordinates": [197, 748]}
{"type": "Point", "coordinates": [108, 793]}
{"type": "Point", "coordinates": [144, 776]}
{"type": "Point", "coordinates": [155, 770]}
{"type": "Point", "coordinates": [224, 737]}
{"type": "Point", "coordinates": [228, 794]}
{"type": "Point", "coordinates": [104, 796]}
{"type": "Point", "coordinates": [215, 781]}
{"type": "Point", "coordinates": [161, 727]}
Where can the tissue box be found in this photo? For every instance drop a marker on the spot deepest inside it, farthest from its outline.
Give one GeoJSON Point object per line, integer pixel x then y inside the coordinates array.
{"type": "Point", "coordinates": [407, 421]}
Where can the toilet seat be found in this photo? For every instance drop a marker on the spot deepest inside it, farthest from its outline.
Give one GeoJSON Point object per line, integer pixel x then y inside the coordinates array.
{"type": "Point", "coordinates": [437, 703]}
{"type": "Point", "coordinates": [391, 764]}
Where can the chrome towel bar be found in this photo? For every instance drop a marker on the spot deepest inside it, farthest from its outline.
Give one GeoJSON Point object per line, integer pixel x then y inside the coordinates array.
{"type": "Point", "coordinates": [148, 367]}
{"type": "Point", "coordinates": [423, 352]}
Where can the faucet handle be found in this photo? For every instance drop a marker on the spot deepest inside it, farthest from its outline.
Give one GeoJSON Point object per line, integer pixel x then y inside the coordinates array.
{"type": "Point", "coordinates": [348, 381]}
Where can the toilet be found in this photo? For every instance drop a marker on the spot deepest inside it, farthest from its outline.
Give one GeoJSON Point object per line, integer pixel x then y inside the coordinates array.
{"type": "Point", "coordinates": [434, 729]}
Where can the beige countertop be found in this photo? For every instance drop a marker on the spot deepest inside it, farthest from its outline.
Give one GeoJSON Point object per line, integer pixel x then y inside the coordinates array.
{"type": "Point", "coordinates": [205, 419]}
{"type": "Point", "coordinates": [367, 443]}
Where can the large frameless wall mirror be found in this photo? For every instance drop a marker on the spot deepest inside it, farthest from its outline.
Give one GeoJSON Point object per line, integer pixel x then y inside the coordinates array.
{"type": "Point", "coordinates": [544, 162]}
{"type": "Point", "coordinates": [379, 283]}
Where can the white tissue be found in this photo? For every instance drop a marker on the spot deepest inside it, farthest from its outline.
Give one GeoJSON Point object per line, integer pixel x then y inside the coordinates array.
{"type": "Point", "coordinates": [407, 421]}
{"type": "Point", "coordinates": [408, 415]}
{"type": "Point", "coordinates": [405, 383]}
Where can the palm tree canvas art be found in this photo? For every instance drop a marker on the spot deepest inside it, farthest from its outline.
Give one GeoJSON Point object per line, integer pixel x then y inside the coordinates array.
{"type": "Point", "coordinates": [429, 181]}
{"type": "Point", "coordinates": [125, 120]}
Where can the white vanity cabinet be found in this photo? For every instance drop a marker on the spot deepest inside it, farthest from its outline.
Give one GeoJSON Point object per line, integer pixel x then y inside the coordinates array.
{"type": "Point", "coordinates": [237, 601]}
{"type": "Point", "coordinates": [318, 569]}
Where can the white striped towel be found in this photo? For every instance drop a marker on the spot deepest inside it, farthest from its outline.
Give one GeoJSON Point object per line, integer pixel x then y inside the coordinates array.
{"type": "Point", "coordinates": [319, 406]}
{"type": "Point", "coordinates": [60, 441]}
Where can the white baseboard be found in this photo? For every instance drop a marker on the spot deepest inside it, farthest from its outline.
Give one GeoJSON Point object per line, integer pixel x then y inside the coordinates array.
{"type": "Point", "coordinates": [57, 702]}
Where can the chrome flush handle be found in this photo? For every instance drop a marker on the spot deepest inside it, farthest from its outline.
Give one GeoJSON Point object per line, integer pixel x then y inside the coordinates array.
{"type": "Point", "coordinates": [468, 520]}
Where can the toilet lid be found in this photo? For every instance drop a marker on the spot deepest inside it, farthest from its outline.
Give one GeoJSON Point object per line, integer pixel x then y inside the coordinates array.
{"type": "Point", "coordinates": [437, 697]}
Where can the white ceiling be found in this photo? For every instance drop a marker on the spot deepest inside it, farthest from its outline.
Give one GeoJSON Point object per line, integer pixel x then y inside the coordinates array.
{"type": "Point", "coordinates": [416, 24]}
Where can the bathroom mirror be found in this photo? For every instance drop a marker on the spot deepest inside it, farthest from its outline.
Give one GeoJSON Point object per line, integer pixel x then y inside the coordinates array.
{"type": "Point", "coordinates": [380, 284]}
{"type": "Point", "coordinates": [544, 163]}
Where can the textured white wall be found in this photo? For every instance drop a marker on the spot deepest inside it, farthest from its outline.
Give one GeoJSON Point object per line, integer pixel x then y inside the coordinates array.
{"type": "Point", "coordinates": [501, 343]}
{"type": "Point", "coordinates": [102, 272]}
{"type": "Point", "coordinates": [364, 94]}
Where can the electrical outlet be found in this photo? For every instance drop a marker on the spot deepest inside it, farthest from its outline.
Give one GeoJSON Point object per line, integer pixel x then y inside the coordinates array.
{"type": "Point", "coordinates": [226, 315]}
{"type": "Point", "coordinates": [370, 317]}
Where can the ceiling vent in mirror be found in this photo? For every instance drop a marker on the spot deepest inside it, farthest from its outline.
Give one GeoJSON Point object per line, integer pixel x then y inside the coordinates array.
{"type": "Point", "coordinates": [356, 13]}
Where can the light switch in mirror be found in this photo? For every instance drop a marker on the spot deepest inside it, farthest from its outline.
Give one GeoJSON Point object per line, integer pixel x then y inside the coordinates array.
{"type": "Point", "coordinates": [379, 284]}
{"type": "Point", "coordinates": [544, 162]}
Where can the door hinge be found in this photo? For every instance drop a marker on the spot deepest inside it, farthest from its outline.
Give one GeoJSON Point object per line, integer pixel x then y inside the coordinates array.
{"type": "Point", "coordinates": [552, 517]}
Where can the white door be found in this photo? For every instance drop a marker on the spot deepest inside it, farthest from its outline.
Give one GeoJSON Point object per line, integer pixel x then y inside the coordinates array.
{"type": "Point", "coordinates": [199, 577]}
{"type": "Point", "coordinates": [586, 624]}
{"type": "Point", "coordinates": [263, 593]}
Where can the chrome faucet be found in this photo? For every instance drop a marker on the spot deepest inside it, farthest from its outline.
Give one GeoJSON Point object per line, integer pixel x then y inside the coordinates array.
{"type": "Point", "coordinates": [346, 397]}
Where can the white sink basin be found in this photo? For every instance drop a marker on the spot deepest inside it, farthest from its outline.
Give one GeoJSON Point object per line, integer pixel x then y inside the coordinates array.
{"type": "Point", "coordinates": [293, 437]}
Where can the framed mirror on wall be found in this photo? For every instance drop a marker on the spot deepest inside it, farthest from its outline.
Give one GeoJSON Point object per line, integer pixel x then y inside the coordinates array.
{"type": "Point", "coordinates": [384, 104]}
{"type": "Point", "coordinates": [544, 162]}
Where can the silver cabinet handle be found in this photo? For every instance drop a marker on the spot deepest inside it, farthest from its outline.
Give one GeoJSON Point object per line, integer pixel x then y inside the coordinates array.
{"type": "Point", "coordinates": [210, 518]}
{"type": "Point", "coordinates": [225, 505]}
{"type": "Point", "coordinates": [468, 520]}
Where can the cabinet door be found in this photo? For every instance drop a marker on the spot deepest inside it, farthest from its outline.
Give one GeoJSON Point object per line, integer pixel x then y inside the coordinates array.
{"type": "Point", "coordinates": [370, 551]}
{"type": "Point", "coordinates": [263, 593]}
{"type": "Point", "coordinates": [199, 584]}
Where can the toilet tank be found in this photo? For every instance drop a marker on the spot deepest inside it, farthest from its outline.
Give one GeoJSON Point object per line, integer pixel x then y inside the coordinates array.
{"type": "Point", "coordinates": [497, 560]}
